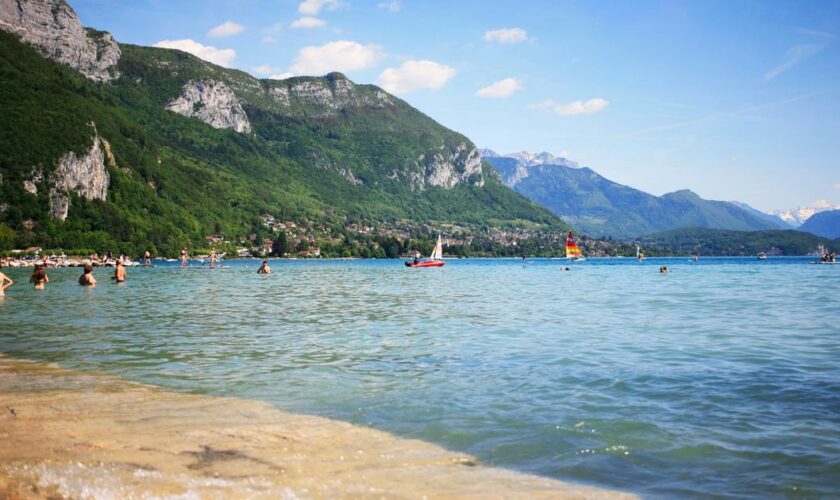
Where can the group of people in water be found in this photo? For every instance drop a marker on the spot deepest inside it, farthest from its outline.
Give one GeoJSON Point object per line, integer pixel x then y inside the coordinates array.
{"type": "Point", "coordinates": [829, 257]}
{"type": "Point", "coordinates": [39, 277]}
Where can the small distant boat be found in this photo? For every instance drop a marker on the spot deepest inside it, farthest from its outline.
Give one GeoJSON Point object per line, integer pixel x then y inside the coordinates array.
{"type": "Point", "coordinates": [435, 260]}
{"type": "Point", "coordinates": [761, 256]}
{"type": "Point", "coordinates": [572, 250]}
{"type": "Point", "coordinates": [639, 254]}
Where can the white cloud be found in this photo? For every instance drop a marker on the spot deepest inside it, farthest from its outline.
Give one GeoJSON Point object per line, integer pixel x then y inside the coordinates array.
{"type": "Point", "coordinates": [794, 56]}
{"type": "Point", "coordinates": [313, 7]}
{"type": "Point", "coordinates": [392, 6]}
{"type": "Point", "coordinates": [500, 89]}
{"type": "Point", "coordinates": [226, 29]}
{"type": "Point", "coordinates": [506, 35]}
{"type": "Point", "coordinates": [308, 22]}
{"type": "Point", "coordinates": [222, 57]}
{"type": "Point", "coordinates": [589, 107]}
{"type": "Point", "coordinates": [265, 69]}
{"type": "Point", "coordinates": [837, 186]}
{"type": "Point", "coordinates": [413, 75]}
{"type": "Point", "coordinates": [342, 55]}
{"type": "Point", "coordinates": [269, 39]}
{"type": "Point", "coordinates": [282, 76]}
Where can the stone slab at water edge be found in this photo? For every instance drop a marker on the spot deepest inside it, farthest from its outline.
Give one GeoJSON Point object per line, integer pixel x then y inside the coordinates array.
{"type": "Point", "coordinates": [72, 435]}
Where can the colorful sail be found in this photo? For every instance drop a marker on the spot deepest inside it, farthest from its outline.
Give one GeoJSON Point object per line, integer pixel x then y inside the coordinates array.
{"type": "Point", "coordinates": [572, 250]}
{"type": "Point", "coordinates": [437, 253]}
{"type": "Point", "coordinates": [639, 254]}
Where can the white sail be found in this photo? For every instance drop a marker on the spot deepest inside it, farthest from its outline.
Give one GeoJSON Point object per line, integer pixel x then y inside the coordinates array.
{"type": "Point", "coordinates": [437, 254]}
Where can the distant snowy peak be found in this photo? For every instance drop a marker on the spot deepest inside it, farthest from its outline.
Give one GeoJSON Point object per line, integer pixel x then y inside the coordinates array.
{"type": "Point", "coordinates": [799, 215]}
{"type": "Point", "coordinates": [528, 159]}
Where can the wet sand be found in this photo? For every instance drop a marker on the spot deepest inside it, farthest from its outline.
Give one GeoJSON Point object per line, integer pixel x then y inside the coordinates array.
{"type": "Point", "coordinates": [66, 434]}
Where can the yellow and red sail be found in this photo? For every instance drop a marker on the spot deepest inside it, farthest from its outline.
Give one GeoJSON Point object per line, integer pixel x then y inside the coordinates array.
{"type": "Point", "coordinates": [572, 249]}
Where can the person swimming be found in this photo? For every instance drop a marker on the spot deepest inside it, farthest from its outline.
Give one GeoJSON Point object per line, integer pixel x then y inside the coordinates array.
{"type": "Point", "coordinates": [264, 269]}
{"type": "Point", "coordinates": [87, 278]}
{"type": "Point", "coordinates": [39, 278]}
{"type": "Point", "coordinates": [119, 272]}
{"type": "Point", "coordinates": [663, 269]}
{"type": "Point", "coordinates": [5, 282]}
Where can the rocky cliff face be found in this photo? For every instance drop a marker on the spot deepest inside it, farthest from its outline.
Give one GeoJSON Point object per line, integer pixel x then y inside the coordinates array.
{"type": "Point", "coordinates": [462, 166]}
{"type": "Point", "coordinates": [54, 29]}
{"type": "Point", "coordinates": [331, 93]}
{"type": "Point", "coordinates": [86, 175]}
{"type": "Point", "coordinates": [212, 102]}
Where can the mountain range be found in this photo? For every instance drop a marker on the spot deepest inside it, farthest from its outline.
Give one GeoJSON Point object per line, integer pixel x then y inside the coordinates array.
{"type": "Point", "coordinates": [600, 207]}
{"type": "Point", "coordinates": [797, 216]}
{"type": "Point", "coordinates": [105, 144]}
{"type": "Point", "coordinates": [824, 223]}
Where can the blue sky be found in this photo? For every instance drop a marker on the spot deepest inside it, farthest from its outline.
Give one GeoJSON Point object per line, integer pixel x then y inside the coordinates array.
{"type": "Point", "coordinates": [736, 100]}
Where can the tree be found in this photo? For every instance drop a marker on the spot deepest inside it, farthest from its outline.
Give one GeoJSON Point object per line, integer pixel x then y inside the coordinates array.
{"type": "Point", "coordinates": [280, 246]}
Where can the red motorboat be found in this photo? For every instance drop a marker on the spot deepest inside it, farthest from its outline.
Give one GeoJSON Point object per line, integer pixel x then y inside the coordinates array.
{"type": "Point", "coordinates": [435, 260]}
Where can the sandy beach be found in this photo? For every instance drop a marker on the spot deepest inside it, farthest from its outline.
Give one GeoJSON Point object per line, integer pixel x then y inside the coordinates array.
{"type": "Point", "coordinates": [76, 435]}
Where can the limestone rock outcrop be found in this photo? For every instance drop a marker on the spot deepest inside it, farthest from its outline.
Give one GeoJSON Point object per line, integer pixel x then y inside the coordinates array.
{"type": "Point", "coordinates": [85, 175]}
{"type": "Point", "coordinates": [462, 166]}
{"type": "Point", "coordinates": [54, 29]}
{"type": "Point", "coordinates": [212, 102]}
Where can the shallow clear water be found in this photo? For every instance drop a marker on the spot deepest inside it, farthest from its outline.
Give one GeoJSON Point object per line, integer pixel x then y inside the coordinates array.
{"type": "Point", "coordinates": [719, 378]}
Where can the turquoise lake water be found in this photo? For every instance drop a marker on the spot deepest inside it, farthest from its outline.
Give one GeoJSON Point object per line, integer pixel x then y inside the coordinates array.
{"type": "Point", "coordinates": [719, 378]}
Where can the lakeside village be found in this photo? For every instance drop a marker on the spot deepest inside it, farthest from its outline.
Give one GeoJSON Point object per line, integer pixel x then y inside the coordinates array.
{"type": "Point", "coordinates": [303, 239]}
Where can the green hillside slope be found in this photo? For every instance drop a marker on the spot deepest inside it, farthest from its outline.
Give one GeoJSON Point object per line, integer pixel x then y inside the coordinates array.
{"type": "Point", "coordinates": [367, 157]}
{"type": "Point", "coordinates": [721, 242]}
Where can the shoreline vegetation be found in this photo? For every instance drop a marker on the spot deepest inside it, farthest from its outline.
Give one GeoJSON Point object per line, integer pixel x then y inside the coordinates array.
{"type": "Point", "coordinates": [678, 243]}
{"type": "Point", "coordinates": [69, 434]}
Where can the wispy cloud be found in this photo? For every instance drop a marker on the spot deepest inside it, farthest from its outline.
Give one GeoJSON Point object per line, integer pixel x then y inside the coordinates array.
{"type": "Point", "coordinates": [392, 6]}
{"type": "Point", "coordinates": [801, 52]}
{"type": "Point", "coordinates": [506, 36]}
{"type": "Point", "coordinates": [226, 29]}
{"type": "Point", "coordinates": [314, 7]}
{"type": "Point", "coordinates": [501, 89]}
{"type": "Point", "coordinates": [308, 22]}
{"type": "Point", "coordinates": [265, 69]}
{"type": "Point", "coordinates": [588, 107]}
{"type": "Point", "coordinates": [717, 116]}
{"type": "Point", "coordinates": [837, 186]}
{"type": "Point", "coordinates": [222, 57]}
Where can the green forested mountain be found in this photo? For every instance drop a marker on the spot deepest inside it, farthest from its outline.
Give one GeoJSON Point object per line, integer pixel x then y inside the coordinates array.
{"type": "Point", "coordinates": [182, 149]}
{"type": "Point", "coordinates": [598, 206]}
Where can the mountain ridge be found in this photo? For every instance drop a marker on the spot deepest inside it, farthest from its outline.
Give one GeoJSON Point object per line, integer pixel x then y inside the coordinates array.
{"type": "Point", "coordinates": [600, 207]}
{"type": "Point", "coordinates": [825, 223]}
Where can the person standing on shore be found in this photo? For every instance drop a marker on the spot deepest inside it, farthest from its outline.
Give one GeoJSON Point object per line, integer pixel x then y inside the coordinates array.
{"type": "Point", "coordinates": [119, 272]}
{"type": "Point", "coordinates": [87, 278]}
{"type": "Point", "coordinates": [212, 258]}
{"type": "Point", "coordinates": [147, 258]}
{"type": "Point", "coordinates": [39, 278]}
{"type": "Point", "coordinates": [5, 282]}
{"type": "Point", "coordinates": [184, 257]}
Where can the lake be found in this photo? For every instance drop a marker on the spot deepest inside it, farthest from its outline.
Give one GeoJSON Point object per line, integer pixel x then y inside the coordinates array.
{"type": "Point", "coordinates": [721, 377]}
